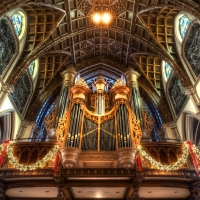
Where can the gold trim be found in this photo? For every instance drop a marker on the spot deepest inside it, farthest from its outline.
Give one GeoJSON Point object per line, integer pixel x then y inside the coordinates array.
{"type": "Point", "coordinates": [86, 134]}
{"type": "Point", "coordinates": [108, 133]}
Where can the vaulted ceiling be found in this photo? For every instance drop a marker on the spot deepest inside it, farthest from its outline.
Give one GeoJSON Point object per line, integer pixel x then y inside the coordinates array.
{"type": "Point", "coordinates": [141, 34]}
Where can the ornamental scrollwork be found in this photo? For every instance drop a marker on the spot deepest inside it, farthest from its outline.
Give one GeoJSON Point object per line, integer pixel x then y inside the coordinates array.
{"type": "Point", "coordinates": [78, 101]}
{"type": "Point", "coordinates": [60, 131]}
{"type": "Point", "coordinates": [50, 119]}
{"type": "Point", "coordinates": [82, 82]}
{"type": "Point", "coordinates": [107, 117]}
{"type": "Point", "coordinates": [121, 101]}
{"type": "Point", "coordinates": [118, 82]}
{"type": "Point", "coordinates": [137, 131]}
{"type": "Point", "coordinates": [148, 121]}
{"type": "Point", "coordinates": [91, 117]}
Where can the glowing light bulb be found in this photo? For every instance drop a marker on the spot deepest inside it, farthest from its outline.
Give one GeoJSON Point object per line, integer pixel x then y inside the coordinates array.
{"type": "Point", "coordinates": [106, 18]}
{"type": "Point", "coordinates": [97, 18]}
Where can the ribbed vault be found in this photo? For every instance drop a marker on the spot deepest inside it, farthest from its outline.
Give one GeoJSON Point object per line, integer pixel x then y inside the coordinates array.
{"type": "Point", "coordinates": [141, 34]}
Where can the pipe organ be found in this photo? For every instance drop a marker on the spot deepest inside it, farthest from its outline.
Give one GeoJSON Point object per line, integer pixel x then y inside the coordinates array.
{"type": "Point", "coordinates": [99, 120]}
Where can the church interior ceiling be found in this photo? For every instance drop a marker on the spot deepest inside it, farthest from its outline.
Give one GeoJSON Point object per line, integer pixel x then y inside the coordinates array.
{"type": "Point", "coordinates": [60, 33]}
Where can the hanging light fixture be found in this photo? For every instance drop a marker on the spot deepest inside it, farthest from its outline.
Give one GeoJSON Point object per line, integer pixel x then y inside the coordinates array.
{"type": "Point", "coordinates": [102, 18]}
{"type": "Point", "coordinates": [106, 18]}
{"type": "Point", "coordinates": [97, 18]}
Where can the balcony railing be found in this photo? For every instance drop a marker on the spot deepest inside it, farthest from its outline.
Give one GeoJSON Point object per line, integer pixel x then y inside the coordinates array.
{"type": "Point", "coordinates": [167, 152]}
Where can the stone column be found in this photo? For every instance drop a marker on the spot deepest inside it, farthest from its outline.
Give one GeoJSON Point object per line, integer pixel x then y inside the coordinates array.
{"type": "Point", "coordinates": [68, 80]}
{"type": "Point", "coordinates": [174, 130]}
{"type": "Point", "coordinates": [23, 131]}
{"type": "Point", "coordinates": [135, 101]}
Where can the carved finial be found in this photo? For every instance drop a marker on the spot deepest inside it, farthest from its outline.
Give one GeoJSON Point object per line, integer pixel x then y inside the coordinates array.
{"type": "Point", "coordinates": [82, 82]}
{"type": "Point", "coordinates": [118, 82]}
{"type": "Point", "coordinates": [100, 78]}
{"type": "Point", "coordinates": [100, 84]}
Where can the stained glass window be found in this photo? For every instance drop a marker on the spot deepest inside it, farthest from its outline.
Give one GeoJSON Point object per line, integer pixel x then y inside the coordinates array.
{"type": "Point", "coordinates": [17, 22]}
{"type": "Point", "coordinates": [168, 70]}
{"type": "Point", "coordinates": [183, 25]}
{"type": "Point", "coordinates": [31, 68]}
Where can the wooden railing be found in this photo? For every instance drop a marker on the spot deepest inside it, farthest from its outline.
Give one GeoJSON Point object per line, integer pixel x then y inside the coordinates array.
{"type": "Point", "coordinates": [30, 152]}
{"type": "Point", "coordinates": [164, 152]}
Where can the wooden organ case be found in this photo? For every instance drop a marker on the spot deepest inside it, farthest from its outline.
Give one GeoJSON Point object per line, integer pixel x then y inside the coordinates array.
{"type": "Point", "coordinates": [99, 120]}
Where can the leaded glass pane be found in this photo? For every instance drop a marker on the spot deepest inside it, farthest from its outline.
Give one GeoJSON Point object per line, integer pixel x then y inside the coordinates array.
{"type": "Point", "coordinates": [31, 68]}
{"type": "Point", "coordinates": [168, 70]}
{"type": "Point", "coordinates": [17, 22]}
{"type": "Point", "coordinates": [183, 25]}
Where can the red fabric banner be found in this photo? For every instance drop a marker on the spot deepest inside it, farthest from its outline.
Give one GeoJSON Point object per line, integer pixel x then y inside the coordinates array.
{"type": "Point", "coordinates": [56, 162]}
{"type": "Point", "coordinates": [195, 162]}
{"type": "Point", "coordinates": [5, 143]}
{"type": "Point", "coordinates": [139, 164]}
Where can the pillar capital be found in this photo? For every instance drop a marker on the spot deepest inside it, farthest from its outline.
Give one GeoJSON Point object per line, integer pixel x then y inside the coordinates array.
{"type": "Point", "coordinates": [7, 88]}
{"type": "Point", "coordinates": [69, 75]}
{"type": "Point", "coordinates": [193, 92]}
{"type": "Point", "coordinates": [131, 77]}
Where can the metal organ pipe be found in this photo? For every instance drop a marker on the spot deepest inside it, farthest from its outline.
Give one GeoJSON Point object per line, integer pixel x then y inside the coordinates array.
{"type": "Point", "coordinates": [100, 104]}
{"type": "Point", "coordinates": [123, 127]}
{"type": "Point", "coordinates": [78, 94]}
{"type": "Point", "coordinates": [63, 104]}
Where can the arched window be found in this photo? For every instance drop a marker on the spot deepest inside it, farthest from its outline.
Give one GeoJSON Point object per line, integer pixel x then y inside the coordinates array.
{"type": "Point", "coordinates": [31, 68]}
{"type": "Point", "coordinates": [17, 20]}
{"type": "Point", "coordinates": [183, 25]}
{"type": "Point", "coordinates": [168, 70]}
